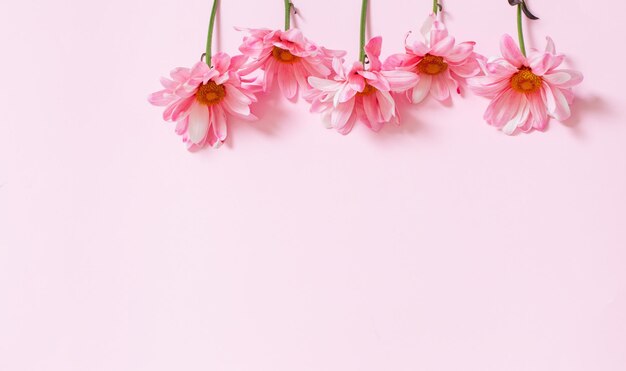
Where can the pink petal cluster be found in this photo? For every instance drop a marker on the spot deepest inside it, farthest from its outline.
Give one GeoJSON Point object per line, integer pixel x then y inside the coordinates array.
{"type": "Point", "coordinates": [200, 99]}
{"type": "Point", "coordinates": [286, 56]}
{"type": "Point", "coordinates": [356, 93]}
{"type": "Point", "coordinates": [440, 65]}
{"type": "Point", "coordinates": [525, 91]}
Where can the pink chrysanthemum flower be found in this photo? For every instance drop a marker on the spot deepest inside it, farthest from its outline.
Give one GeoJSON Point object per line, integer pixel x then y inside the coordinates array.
{"type": "Point", "coordinates": [440, 65]}
{"type": "Point", "coordinates": [525, 91]}
{"type": "Point", "coordinates": [201, 99]}
{"type": "Point", "coordinates": [359, 93]}
{"type": "Point", "coordinates": [288, 57]}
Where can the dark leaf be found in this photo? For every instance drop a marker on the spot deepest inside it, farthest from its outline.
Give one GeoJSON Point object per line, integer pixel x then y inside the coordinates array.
{"type": "Point", "coordinates": [527, 11]}
{"type": "Point", "coordinates": [524, 8]}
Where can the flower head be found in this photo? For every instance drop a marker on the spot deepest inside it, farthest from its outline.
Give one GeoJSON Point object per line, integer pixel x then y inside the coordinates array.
{"type": "Point", "coordinates": [286, 56]}
{"type": "Point", "coordinates": [357, 93]}
{"type": "Point", "coordinates": [525, 91]}
{"type": "Point", "coordinates": [440, 65]}
{"type": "Point", "coordinates": [201, 98]}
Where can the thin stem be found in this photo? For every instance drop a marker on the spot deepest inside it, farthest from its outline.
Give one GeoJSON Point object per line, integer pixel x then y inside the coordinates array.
{"type": "Point", "coordinates": [435, 6]}
{"type": "Point", "coordinates": [209, 37]}
{"type": "Point", "coordinates": [520, 32]}
{"type": "Point", "coordinates": [287, 14]}
{"type": "Point", "coordinates": [362, 34]}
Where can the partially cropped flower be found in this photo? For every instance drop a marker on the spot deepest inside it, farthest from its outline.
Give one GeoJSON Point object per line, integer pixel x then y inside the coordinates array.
{"type": "Point", "coordinates": [201, 99]}
{"type": "Point", "coordinates": [440, 65]}
{"type": "Point", "coordinates": [360, 94]}
{"type": "Point", "coordinates": [525, 91]}
{"type": "Point", "coordinates": [286, 56]}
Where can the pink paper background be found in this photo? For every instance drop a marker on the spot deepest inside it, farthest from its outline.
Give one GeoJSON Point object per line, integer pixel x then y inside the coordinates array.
{"type": "Point", "coordinates": [439, 245]}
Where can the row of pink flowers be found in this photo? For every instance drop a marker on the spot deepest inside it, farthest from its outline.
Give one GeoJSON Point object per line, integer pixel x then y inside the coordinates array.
{"type": "Point", "coordinates": [524, 91]}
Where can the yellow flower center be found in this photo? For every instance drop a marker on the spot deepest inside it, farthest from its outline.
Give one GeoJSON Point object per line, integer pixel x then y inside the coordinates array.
{"type": "Point", "coordinates": [367, 90]}
{"type": "Point", "coordinates": [210, 93]}
{"type": "Point", "coordinates": [525, 81]}
{"type": "Point", "coordinates": [284, 56]}
{"type": "Point", "coordinates": [432, 65]}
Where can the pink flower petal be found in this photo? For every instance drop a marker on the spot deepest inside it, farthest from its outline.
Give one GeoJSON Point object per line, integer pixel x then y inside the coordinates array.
{"type": "Point", "coordinates": [420, 91]}
{"type": "Point", "coordinates": [181, 125]}
{"type": "Point", "coordinates": [558, 107]}
{"type": "Point", "coordinates": [182, 108]}
{"type": "Point", "coordinates": [443, 47]}
{"type": "Point", "coordinates": [341, 114]}
{"type": "Point", "coordinates": [379, 82]}
{"type": "Point", "coordinates": [453, 82]}
{"type": "Point", "coordinates": [356, 81]}
{"type": "Point", "coordinates": [221, 62]}
{"type": "Point", "coordinates": [489, 86]}
{"type": "Point", "coordinates": [324, 84]}
{"type": "Point", "coordinates": [236, 94]}
{"type": "Point", "coordinates": [235, 106]}
{"type": "Point", "coordinates": [520, 117]}
{"type": "Point", "coordinates": [219, 123]}
{"type": "Point", "coordinates": [294, 35]}
{"type": "Point", "coordinates": [538, 111]}
{"type": "Point", "coordinates": [345, 93]}
{"type": "Point", "coordinates": [300, 73]}
{"type": "Point", "coordinates": [198, 124]}
{"type": "Point", "coordinates": [180, 74]}
{"type": "Point", "coordinates": [438, 31]}
{"type": "Point", "coordinates": [167, 114]}
{"type": "Point", "coordinates": [511, 52]}
{"type": "Point", "coordinates": [199, 70]}
{"type": "Point", "coordinates": [564, 78]}
{"type": "Point", "coordinates": [237, 62]}
{"type": "Point", "coordinates": [395, 60]}
{"type": "Point", "coordinates": [461, 52]}
{"type": "Point", "coordinates": [439, 88]}
{"type": "Point", "coordinates": [503, 108]}
{"type": "Point", "coordinates": [386, 104]}
{"type": "Point", "coordinates": [347, 128]}
{"type": "Point", "coordinates": [569, 94]}
{"type": "Point", "coordinates": [372, 112]}
{"type": "Point", "coordinates": [314, 67]}
{"type": "Point", "coordinates": [417, 48]}
{"type": "Point", "coordinates": [211, 137]}
{"type": "Point", "coordinates": [161, 98]}
{"type": "Point", "coordinates": [168, 84]}
{"type": "Point", "coordinates": [367, 74]}
{"type": "Point", "coordinates": [400, 80]}
{"type": "Point", "coordinates": [287, 81]}
{"type": "Point", "coordinates": [252, 66]}
{"type": "Point", "coordinates": [372, 49]}
{"type": "Point", "coordinates": [540, 63]}
{"type": "Point", "coordinates": [270, 70]}
{"type": "Point", "coordinates": [470, 68]}
{"type": "Point", "coordinates": [337, 65]}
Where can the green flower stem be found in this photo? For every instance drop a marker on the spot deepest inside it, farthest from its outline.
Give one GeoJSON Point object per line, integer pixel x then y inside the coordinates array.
{"type": "Point", "coordinates": [362, 34]}
{"type": "Point", "coordinates": [520, 32]}
{"type": "Point", "coordinates": [435, 6]}
{"type": "Point", "coordinates": [209, 37]}
{"type": "Point", "coordinates": [287, 14]}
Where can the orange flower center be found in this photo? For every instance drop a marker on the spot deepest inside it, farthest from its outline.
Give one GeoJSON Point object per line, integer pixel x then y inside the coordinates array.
{"type": "Point", "coordinates": [525, 81]}
{"type": "Point", "coordinates": [432, 65]}
{"type": "Point", "coordinates": [210, 93]}
{"type": "Point", "coordinates": [367, 90]}
{"type": "Point", "coordinates": [284, 56]}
